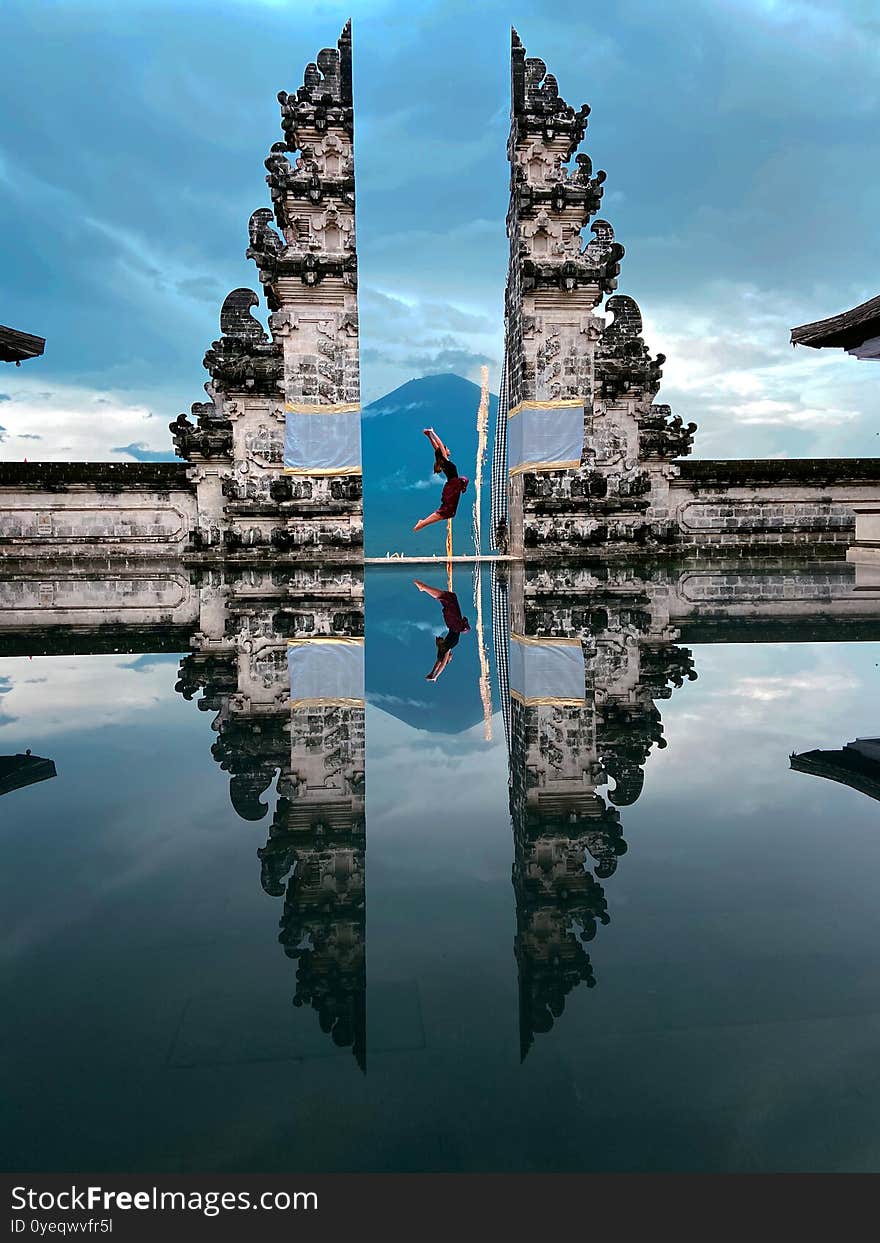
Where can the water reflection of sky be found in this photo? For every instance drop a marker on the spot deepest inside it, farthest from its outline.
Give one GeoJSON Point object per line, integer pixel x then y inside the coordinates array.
{"type": "Point", "coordinates": [734, 1024]}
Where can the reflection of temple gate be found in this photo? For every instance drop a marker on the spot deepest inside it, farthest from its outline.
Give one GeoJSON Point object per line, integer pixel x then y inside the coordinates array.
{"type": "Point", "coordinates": [583, 655]}
{"type": "Point", "coordinates": [277, 714]}
{"type": "Point", "coordinates": [584, 677]}
{"type": "Point", "coordinates": [856, 765]}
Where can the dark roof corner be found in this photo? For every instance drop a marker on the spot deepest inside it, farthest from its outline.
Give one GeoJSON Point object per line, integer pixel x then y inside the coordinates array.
{"type": "Point", "coordinates": [847, 331]}
{"type": "Point", "coordinates": [16, 346]}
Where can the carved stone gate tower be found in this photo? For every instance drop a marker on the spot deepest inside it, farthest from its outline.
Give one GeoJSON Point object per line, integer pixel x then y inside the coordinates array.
{"type": "Point", "coordinates": [275, 454]}
{"type": "Point", "coordinates": [589, 454]}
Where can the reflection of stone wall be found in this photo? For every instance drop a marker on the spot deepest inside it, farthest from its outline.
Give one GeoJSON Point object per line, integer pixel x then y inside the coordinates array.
{"type": "Point", "coordinates": [96, 598]}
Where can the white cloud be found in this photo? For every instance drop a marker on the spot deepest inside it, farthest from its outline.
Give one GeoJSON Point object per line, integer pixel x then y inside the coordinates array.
{"type": "Point", "coordinates": [462, 784]}
{"type": "Point", "coordinates": [75, 424]}
{"type": "Point", "coordinates": [730, 369]}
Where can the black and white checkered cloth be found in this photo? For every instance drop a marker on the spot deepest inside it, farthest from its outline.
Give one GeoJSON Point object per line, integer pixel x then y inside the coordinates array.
{"type": "Point", "coordinates": [498, 509]}
{"type": "Point", "coordinates": [501, 642]}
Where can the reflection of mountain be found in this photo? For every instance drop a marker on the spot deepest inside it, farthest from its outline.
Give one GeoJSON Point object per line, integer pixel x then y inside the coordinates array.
{"type": "Point", "coordinates": [18, 771]}
{"type": "Point", "coordinates": [402, 623]}
{"type": "Point", "coordinates": [399, 486]}
{"type": "Point", "coordinates": [856, 765]}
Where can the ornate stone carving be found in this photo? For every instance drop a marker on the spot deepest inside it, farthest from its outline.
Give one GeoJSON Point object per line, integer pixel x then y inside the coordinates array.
{"type": "Point", "coordinates": [313, 190]}
{"type": "Point", "coordinates": [266, 444]}
{"type": "Point", "coordinates": [244, 358]}
{"type": "Point", "coordinates": [568, 836]}
{"type": "Point", "coordinates": [623, 363]}
{"type": "Point", "coordinates": [210, 436]}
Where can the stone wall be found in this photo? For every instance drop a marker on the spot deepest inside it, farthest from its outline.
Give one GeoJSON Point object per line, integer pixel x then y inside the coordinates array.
{"type": "Point", "coordinates": [748, 505]}
{"type": "Point", "coordinates": [87, 509]}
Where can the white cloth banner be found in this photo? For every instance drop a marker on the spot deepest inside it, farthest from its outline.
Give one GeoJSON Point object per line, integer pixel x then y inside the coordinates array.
{"type": "Point", "coordinates": [322, 442]}
{"type": "Point", "coordinates": [326, 671]}
{"type": "Point", "coordinates": [546, 669]}
{"type": "Point", "coordinates": [545, 439]}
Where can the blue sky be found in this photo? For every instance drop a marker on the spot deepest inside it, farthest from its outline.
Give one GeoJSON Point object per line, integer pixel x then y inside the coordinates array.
{"type": "Point", "coordinates": [740, 138]}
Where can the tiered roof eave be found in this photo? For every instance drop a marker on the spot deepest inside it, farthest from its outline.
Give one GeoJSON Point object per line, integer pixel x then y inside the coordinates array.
{"type": "Point", "coordinates": [848, 330]}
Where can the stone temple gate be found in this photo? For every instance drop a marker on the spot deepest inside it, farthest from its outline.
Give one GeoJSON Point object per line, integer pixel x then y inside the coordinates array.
{"type": "Point", "coordinates": [586, 462]}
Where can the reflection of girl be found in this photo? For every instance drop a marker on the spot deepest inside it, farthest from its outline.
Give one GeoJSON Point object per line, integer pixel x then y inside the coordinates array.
{"type": "Point", "coordinates": [455, 625]}
{"type": "Point", "coordinates": [452, 489]}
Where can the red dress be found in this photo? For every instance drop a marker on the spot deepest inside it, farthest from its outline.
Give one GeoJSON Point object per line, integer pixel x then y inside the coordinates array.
{"type": "Point", "coordinates": [455, 623]}
{"type": "Point", "coordinates": [452, 490]}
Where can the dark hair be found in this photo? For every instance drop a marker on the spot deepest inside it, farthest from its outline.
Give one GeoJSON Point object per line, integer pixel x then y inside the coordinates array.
{"type": "Point", "coordinates": [446, 642]}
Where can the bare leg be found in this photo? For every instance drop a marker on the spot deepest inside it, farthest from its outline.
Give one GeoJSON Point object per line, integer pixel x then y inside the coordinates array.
{"type": "Point", "coordinates": [431, 591]}
{"type": "Point", "coordinates": [439, 665]}
{"type": "Point", "coordinates": [426, 522]}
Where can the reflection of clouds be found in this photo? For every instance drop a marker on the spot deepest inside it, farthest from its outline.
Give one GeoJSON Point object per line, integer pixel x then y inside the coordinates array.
{"type": "Point", "coordinates": [76, 692]}
{"type": "Point", "coordinates": [438, 798]}
{"type": "Point", "coordinates": [752, 705]}
{"type": "Point", "coordinates": [399, 701]}
{"type": "Point", "coordinates": [400, 628]}
{"type": "Point", "coordinates": [767, 689]}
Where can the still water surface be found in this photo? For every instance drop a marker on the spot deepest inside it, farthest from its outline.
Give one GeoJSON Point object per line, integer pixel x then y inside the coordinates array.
{"type": "Point", "coordinates": [708, 998]}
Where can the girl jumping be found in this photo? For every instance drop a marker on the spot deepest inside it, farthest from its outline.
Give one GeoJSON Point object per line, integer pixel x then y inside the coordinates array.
{"type": "Point", "coordinates": [453, 487]}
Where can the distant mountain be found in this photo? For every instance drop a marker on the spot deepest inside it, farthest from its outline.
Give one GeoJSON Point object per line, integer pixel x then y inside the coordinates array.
{"type": "Point", "coordinates": [399, 484]}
